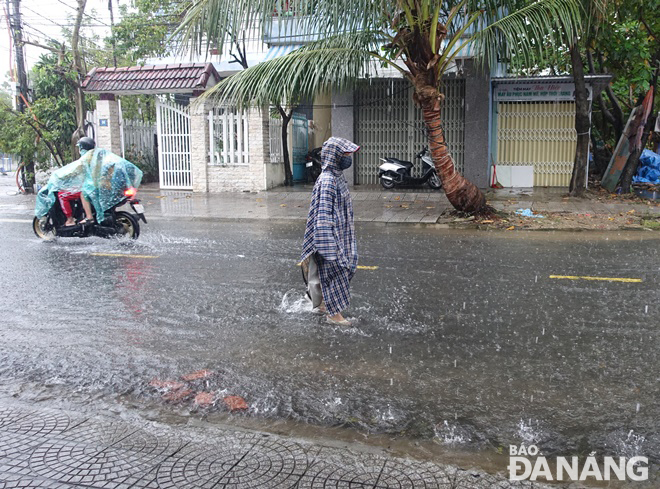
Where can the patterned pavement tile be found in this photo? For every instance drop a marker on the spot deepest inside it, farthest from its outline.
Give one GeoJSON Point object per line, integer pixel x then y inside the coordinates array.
{"type": "Point", "coordinates": [14, 444]}
{"type": "Point", "coordinates": [91, 465]}
{"type": "Point", "coordinates": [268, 462]}
{"type": "Point", "coordinates": [242, 460]}
{"type": "Point", "coordinates": [12, 481]}
{"type": "Point", "coordinates": [200, 466]}
{"type": "Point", "coordinates": [34, 423]}
{"type": "Point", "coordinates": [123, 436]}
{"type": "Point", "coordinates": [10, 416]}
{"type": "Point", "coordinates": [343, 469]}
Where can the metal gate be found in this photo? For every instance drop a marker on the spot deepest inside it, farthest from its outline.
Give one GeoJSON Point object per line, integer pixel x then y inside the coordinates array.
{"type": "Point", "coordinates": [538, 134]}
{"type": "Point", "coordinates": [173, 129]}
{"type": "Point", "coordinates": [387, 123]}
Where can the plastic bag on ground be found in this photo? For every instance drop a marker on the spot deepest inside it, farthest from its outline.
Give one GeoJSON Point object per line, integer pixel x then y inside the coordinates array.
{"type": "Point", "coordinates": [649, 168]}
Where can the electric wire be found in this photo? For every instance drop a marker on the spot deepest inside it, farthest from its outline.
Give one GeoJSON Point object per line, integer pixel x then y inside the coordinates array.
{"type": "Point", "coordinates": [60, 26]}
{"type": "Point", "coordinates": [84, 13]}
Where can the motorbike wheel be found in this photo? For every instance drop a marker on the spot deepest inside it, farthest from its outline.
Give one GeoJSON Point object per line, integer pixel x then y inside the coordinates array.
{"type": "Point", "coordinates": [127, 225]}
{"type": "Point", "coordinates": [44, 229]}
{"type": "Point", "coordinates": [434, 182]}
{"type": "Point", "coordinates": [387, 184]}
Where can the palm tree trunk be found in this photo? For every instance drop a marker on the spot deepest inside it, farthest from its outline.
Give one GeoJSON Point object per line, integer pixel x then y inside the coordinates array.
{"type": "Point", "coordinates": [288, 175]}
{"type": "Point", "coordinates": [582, 125]}
{"type": "Point", "coordinates": [461, 193]}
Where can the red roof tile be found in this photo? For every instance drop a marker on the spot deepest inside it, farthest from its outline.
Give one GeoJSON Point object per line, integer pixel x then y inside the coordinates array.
{"type": "Point", "coordinates": [151, 79]}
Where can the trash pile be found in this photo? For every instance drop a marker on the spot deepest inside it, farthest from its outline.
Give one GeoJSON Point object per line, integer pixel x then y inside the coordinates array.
{"type": "Point", "coordinates": [647, 181]}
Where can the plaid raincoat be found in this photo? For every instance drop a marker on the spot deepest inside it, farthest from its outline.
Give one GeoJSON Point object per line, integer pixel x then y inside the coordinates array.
{"type": "Point", "coordinates": [330, 233]}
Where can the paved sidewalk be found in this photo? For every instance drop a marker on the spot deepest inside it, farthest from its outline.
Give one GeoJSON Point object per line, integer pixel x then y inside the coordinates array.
{"type": "Point", "coordinates": [56, 449]}
{"type": "Point", "coordinates": [371, 204]}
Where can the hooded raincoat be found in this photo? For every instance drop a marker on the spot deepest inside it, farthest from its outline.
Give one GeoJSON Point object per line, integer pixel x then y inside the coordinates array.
{"type": "Point", "coordinates": [100, 175]}
{"type": "Point", "coordinates": [329, 255]}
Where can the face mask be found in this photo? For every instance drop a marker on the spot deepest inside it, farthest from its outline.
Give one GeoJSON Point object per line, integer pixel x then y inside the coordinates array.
{"type": "Point", "coordinates": [345, 162]}
{"type": "Point", "coordinates": [83, 151]}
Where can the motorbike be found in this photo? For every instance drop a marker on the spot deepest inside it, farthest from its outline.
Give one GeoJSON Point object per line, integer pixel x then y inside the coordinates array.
{"type": "Point", "coordinates": [114, 222]}
{"type": "Point", "coordinates": [313, 164]}
{"type": "Point", "coordinates": [395, 172]}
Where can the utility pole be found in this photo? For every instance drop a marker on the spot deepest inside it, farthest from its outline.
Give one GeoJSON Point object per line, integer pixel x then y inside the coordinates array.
{"type": "Point", "coordinates": [112, 33]}
{"type": "Point", "coordinates": [21, 75]}
{"type": "Point", "coordinates": [21, 78]}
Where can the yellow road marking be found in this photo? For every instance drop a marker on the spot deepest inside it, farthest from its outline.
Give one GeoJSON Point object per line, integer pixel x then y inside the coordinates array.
{"type": "Point", "coordinates": [360, 267]}
{"type": "Point", "coordinates": [606, 279]}
{"type": "Point", "coordinates": [123, 255]}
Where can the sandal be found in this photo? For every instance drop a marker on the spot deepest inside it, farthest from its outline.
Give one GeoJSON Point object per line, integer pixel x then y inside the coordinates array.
{"type": "Point", "coordinates": [86, 221]}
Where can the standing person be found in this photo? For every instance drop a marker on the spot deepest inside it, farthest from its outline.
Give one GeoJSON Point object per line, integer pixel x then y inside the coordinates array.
{"type": "Point", "coordinates": [329, 255]}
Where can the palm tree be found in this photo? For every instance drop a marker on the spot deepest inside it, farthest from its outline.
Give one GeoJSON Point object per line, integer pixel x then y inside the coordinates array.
{"type": "Point", "coordinates": [594, 12]}
{"type": "Point", "coordinates": [419, 38]}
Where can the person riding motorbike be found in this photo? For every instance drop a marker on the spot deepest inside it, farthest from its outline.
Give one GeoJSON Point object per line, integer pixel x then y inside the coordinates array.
{"type": "Point", "coordinates": [66, 196]}
{"type": "Point", "coordinates": [100, 176]}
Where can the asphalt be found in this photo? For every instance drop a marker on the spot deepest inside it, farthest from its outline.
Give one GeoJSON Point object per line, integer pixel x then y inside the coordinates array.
{"type": "Point", "coordinates": [45, 447]}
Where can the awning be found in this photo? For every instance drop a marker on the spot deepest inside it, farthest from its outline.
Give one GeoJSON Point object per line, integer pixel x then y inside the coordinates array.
{"type": "Point", "coordinates": [154, 79]}
{"type": "Point", "coordinates": [281, 50]}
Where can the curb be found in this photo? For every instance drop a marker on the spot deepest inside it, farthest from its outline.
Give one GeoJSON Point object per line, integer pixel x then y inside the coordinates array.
{"type": "Point", "coordinates": [431, 225]}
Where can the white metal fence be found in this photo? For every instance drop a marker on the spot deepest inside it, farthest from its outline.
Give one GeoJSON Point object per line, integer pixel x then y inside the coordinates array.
{"type": "Point", "coordinates": [229, 136]}
{"type": "Point", "coordinates": [388, 123]}
{"type": "Point", "coordinates": [138, 138]}
{"type": "Point", "coordinates": [173, 122]}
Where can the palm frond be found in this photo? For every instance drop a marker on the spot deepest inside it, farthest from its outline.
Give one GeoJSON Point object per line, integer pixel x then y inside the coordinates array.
{"type": "Point", "coordinates": [210, 22]}
{"type": "Point", "coordinates": [337, 62]}
{"type": "Point", "coordinates": [502, 35]}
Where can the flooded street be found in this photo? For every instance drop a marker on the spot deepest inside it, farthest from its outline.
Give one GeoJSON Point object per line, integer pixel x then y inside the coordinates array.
{"type": "Point", "coordinates": [472, 340]}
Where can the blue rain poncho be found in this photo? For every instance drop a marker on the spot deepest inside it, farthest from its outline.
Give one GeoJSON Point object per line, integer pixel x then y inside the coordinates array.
{"type": "Point", "coordinates": [100, 175]}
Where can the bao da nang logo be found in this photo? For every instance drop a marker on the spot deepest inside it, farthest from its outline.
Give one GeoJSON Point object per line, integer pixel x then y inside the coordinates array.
{"type": "Point", "coordinates": [526, 463]}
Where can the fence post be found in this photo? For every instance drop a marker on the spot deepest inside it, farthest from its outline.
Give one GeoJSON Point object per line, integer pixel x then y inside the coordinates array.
{"type": "Point", "coordinates": [200, 144]}
{"type": "Point", "coordinates": [109, 132]}
{"type": "Point", "coordinates": [259, 148]}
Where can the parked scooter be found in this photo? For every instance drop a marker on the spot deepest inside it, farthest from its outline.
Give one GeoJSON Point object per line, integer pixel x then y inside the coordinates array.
{"type": "Point", "coordinates": [313, 164]}
{"type": "Point", "coordinates": [395, 172]}
{"type": "Point", "coordinates": [116, 223]}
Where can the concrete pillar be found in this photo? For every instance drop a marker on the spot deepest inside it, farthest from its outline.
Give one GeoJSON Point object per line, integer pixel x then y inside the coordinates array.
{"type": "Point", "coordinates": [322, 120]}
{"type": "Point", "coordinates": [342, 124]}
{"type": "Point", "coordinates": [477, 137]}
{"type": "Point", "coordinates": [259, 146]}
{"type": "Point", "coordinates": [200, 146]}
{"type": "Point", "coordinates": [108, 135]}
